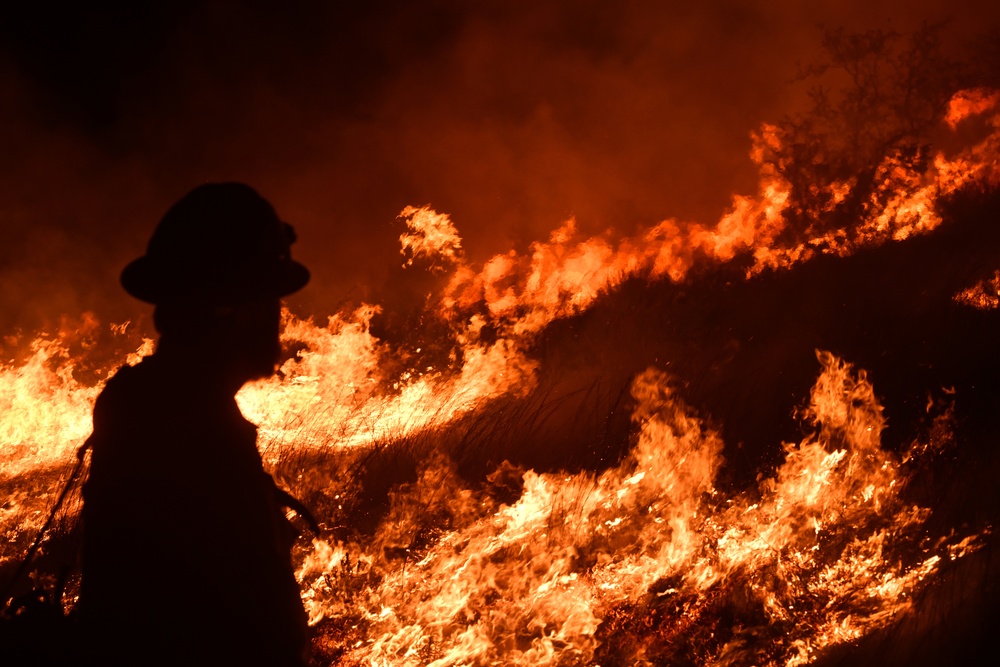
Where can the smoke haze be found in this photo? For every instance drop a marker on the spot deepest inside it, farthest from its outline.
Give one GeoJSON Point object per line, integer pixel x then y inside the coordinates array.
{"type": "Point", "coordinates": [508, 116]}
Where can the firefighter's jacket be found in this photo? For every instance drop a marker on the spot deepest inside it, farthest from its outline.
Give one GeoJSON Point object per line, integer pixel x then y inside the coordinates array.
{"type": "Point", "coordinates": [186, 551]}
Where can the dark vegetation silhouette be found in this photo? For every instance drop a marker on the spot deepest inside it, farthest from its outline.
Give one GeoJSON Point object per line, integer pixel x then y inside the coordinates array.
{"type": "Point", "coordinates": [872, 96]}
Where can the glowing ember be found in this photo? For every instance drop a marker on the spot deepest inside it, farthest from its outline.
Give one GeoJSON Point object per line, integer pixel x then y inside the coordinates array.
{"type": "Point", "coordinates": [984, 295]}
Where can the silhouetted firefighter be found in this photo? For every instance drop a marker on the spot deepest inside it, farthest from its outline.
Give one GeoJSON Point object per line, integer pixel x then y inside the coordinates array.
{"type": "Point", "coordinates": [186, 557]}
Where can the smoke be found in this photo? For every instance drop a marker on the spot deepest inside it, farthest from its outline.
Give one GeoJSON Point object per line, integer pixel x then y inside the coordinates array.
{"type": "Point", "coordinates": [508, 116]}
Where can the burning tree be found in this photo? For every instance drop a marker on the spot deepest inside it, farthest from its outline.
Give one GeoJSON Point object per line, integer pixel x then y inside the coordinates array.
{"type": "Point", "coordinates": [875, 100]}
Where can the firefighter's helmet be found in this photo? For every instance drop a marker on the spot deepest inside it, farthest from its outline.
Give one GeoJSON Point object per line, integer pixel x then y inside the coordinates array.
{"type": "Point", "coordinates": [221, 244]}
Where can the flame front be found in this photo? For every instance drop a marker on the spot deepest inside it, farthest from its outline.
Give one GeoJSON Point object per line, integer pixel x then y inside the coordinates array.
{"type": "Point", "coordinates": [642, 563]}
{"type": "Point", "coordinates": [629, 563]}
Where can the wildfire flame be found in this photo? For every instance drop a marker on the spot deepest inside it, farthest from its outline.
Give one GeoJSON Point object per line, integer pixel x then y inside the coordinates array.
{"type": "Point", "coordinates": [646, 560]}
{"type": "Point", "coordinates": [825, 551]}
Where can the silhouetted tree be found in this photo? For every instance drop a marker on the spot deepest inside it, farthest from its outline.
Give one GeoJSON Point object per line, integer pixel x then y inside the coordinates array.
{"type": "Point", "coordinates": [874, 98]}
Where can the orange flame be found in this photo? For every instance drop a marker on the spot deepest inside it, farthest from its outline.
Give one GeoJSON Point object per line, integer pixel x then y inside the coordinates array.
{"type": "Point", "coordinates": [564, 275]}
{"type": "Point", "coordinates": [530, 583]}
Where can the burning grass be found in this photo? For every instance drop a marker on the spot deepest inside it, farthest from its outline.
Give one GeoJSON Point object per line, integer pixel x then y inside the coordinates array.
{"type": "Point", "coordinates": [645, 562]}
{"type": "Point", "coordinates": [636, 559]}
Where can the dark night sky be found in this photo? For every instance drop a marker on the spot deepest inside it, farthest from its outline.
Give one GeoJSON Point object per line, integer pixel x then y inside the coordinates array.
{"type": "Point", "coordinates": [510, 116]}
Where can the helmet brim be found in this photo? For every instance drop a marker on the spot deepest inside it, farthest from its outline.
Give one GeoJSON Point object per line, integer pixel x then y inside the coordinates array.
{"type": "Point", "coordinates": [153, 282]}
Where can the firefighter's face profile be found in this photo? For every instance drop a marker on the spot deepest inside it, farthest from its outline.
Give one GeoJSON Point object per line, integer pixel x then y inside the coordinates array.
{"type": "Point", "coordinates": [255, 330]}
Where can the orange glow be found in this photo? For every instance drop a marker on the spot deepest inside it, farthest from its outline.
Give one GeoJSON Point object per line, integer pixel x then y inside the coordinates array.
{"type": "Point", "coordinates": [966, 103]}
{"type": "Point", "coordinates": [825, 535]}
{"type": "Point", "coordinates": [431, 236]}
{"type": "Point", "coordinates": [565, 274]}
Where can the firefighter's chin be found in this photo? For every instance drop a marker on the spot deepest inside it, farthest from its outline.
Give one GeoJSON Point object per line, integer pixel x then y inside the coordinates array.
{"type": "Point", "coordinates": [260, 363]}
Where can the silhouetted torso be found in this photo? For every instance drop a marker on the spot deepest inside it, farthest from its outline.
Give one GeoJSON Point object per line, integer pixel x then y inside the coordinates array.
{"type": "Point", "coordinates": [186, 552]}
